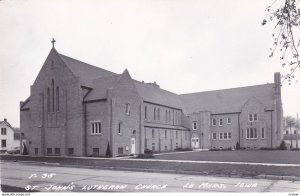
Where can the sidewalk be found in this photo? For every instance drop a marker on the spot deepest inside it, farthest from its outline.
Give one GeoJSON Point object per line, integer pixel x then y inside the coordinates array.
{"type": "Point", "coordinates": [211, 168]}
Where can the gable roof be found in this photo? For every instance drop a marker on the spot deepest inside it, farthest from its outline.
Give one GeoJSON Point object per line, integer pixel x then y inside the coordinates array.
{"type": "Point", "coordinates": [154, 94]}
{"type": "Point", "coordinates": [6, 123]}
{"type": "Point", "coordinates": [227, 100]}
{"type": "Point", "coordinates": [86, 72]}
{"type": "Point", "coordinates": [100, 86]}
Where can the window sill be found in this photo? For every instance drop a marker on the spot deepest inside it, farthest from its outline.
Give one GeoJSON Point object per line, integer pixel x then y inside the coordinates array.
{"type": "Point", "coordinates": [96, 134]}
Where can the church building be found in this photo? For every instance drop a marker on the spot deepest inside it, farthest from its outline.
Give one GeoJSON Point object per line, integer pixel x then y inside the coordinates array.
{"type": "Point", "coordinates": [76, 109]}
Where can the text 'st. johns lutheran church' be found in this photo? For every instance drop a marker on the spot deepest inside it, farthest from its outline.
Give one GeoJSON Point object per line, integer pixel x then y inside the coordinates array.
{"type": "Point", "coordinates": [76, 109]}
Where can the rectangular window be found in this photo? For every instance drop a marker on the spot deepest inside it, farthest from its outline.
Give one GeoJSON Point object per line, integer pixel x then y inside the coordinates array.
{"type": "Point", "coordinates": [36, 151]}
{"type": "Point", "coordinates": [221, 136]}
{"type": "Point", "coordinates": [229, 135]}
{"type": "Point", "coordinates": [57, 151]}
{"type": "Point", "coordinates": [145, 112]}
{"type": "Point", "coordinates": [3, 143]}
{"type": "Point", "coordinates": [158, 114]}
{"type": "Point", "coordinates": [57, 98]}
{"type": "Point", "coordinates": [153, 147]}
{"type": "Point", "coordinates": [153, 133]}
{"type": "Point", "coordinates": [295, 131]}
{"type": "Point", "coordinates": [214, 122]}
{"type": "Point", "coordinates": [95, 128]}
{"type": "Point", "coordinates": [251, 133]}
{"type": "Point", "coordinates": [166, 116]}
{"type": "Point", "coordinates": [166, 134]}
{"type": "Point", "coordinates": [154, 113]}
{"type": "Point", "coordinates": [255, 117]}
{"type": "Point", "coordinates": [95, 151]}
{"type": "Point", "coordinates": [166, 148]}
{"type": "Point", "coordinates": [185, 135]}
{"type": "Point", "coordinates": [225, 136]}
{"type": "Point", "coordinates": [214, 136]}
{"type": "Point", "coordinates": [228, 120]}
{"type": "Point", "coordinates": [119, 128]}
{"type": "Point", "coordinates": [49, 151]}
{"type": "Point", "coordinates": [263, 133]}
{"type": "Point", "coordinates": [252, 117]}
{"type": "Point", "coordinates": [120, 151]}
{"type": "Point", "coordinates": [127, 108]}
{"type": "Point", "coordinates": [70, 151]}
{"type": "Point", "coordinates": [194, 125]}
{"type": "Point", "coordinates": [169, 115]}
{"type": "Point", "coordinates": [220, 122]}
{"type": "Point", "coordinates": [3, 131]}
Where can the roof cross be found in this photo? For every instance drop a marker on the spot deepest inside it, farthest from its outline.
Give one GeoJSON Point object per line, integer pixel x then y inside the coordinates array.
{"type": "Point", "coordinates": [53, 41]}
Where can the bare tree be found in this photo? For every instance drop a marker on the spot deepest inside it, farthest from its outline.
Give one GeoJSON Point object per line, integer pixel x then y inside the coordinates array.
{"type": "Point", "coordinates": [286, 36]}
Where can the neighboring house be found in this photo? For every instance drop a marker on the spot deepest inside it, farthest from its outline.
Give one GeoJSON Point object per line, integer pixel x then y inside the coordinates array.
{"type": "Point", "coordinates": [77, 109]}
{"type": "Point", "coordinates": [10, 139]}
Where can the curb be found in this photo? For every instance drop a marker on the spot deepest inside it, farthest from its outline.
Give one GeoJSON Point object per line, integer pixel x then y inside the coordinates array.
{"type": "Point", "coordinates": [273, 177]}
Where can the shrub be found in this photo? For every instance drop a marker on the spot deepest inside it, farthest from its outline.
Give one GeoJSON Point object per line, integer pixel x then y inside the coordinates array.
{"type": "Point", "coordinates": [25, 151]}
{"type": "Point", "coordinates": [267, 148]}
{"type": "Point", "coordinates": [295, 149]}
{"type": "Point", "coordinates": [148, 151]}
{"type": "Point", "coordinates": [220, 149]}
{"type": "Point", "coordinates": [237, 146]}
{"type": "Point", "coordinates": [108, 152]}
{"type": "Point", "coordinates": [183, 149]}
{"type": "Point", "coordinates": [282, 146]}
{"type": "Point", "coordinates": [145, 156]}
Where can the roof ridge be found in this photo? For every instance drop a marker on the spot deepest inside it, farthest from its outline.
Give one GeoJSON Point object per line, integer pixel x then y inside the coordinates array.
{"type": "Point", "coordinates": [227, 89]}
{"type": "Point", "coordinates": [82, 62]}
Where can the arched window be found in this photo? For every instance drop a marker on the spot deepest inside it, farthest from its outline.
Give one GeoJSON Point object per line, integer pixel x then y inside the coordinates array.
{"type": "Point", "coordinates": [52, 88]}
{"type": "Point", "coordinates": [48, 99]}
{"type": "Point", "coordinates": [57, 98]}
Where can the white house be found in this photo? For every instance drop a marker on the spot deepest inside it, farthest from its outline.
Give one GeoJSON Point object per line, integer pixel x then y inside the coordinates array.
{"type": "Point", "coordinates": [9, 138]}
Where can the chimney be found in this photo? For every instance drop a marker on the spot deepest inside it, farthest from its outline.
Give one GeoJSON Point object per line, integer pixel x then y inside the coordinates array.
{"type": "Point", "coordinates": [5, 120]}
{"type": "Point", "coordinates": [277, 82]}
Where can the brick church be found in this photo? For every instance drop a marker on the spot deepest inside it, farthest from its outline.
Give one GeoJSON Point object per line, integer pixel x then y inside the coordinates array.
{"type": "Point", "coordinates": [76, 109]}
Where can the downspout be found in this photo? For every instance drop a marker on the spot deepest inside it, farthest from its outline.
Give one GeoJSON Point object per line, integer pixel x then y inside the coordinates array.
{"type": "Point", "coordinates": [271, 129]}
{"type": "Point", "coordinates": [239, 129]}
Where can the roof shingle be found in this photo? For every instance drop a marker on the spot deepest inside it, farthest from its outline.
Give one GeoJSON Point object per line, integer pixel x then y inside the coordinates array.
{"type": "Point", "coordinates": [227, 100]}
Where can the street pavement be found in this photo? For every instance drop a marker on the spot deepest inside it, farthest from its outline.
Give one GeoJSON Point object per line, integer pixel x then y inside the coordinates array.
{"type": "Point", "coordinates": [51, 177]}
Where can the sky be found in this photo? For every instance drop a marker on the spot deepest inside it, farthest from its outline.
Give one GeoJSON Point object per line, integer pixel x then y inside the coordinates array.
{"type": "Point", "coordinates": [185, 46]}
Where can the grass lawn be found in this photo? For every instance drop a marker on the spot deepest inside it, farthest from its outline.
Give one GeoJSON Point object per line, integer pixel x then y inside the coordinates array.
{"type": "Point", "coordinates": [253, 156]}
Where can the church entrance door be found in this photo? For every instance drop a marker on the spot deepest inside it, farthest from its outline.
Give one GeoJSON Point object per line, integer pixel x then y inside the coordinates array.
{"type": "Point", "coordinates": [195, 142]}
{"type": "Point", "coordinates": [132, 145]}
